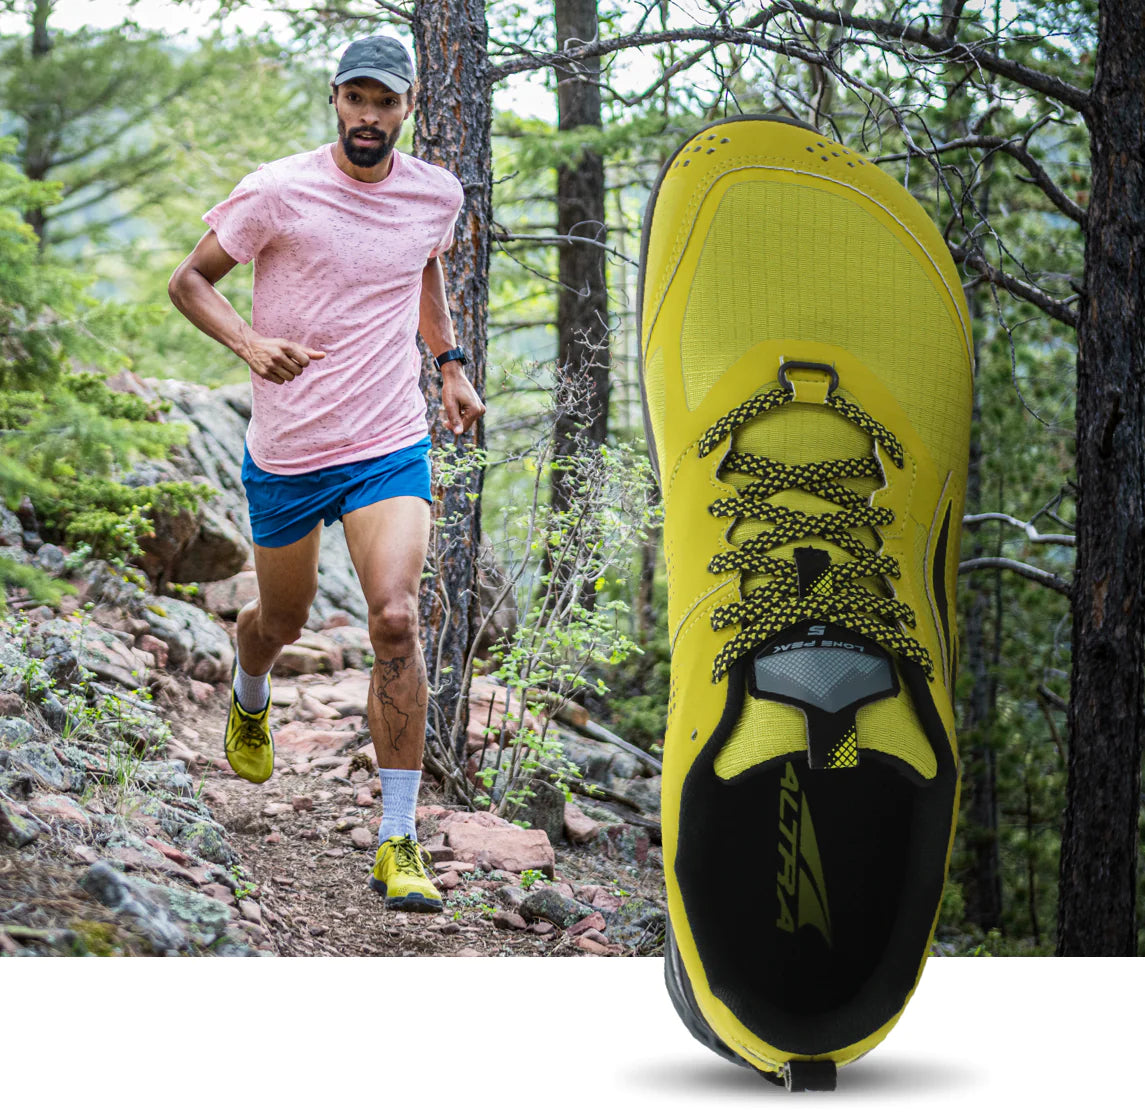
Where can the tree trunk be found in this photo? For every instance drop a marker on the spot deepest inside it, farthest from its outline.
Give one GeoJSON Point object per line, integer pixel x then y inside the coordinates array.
{"type": "Point", "coordinates": [453, 124]}
{"type": "Point", "coordinates": [37, 145]}
{"type": "Point", "coordinates": [582, 303]}
{"type": "Point", "coordinates": [1106, 717]}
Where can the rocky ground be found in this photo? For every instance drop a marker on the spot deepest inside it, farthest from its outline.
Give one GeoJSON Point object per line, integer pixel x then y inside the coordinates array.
{"type": "Point", "coordinates": [123, 830]}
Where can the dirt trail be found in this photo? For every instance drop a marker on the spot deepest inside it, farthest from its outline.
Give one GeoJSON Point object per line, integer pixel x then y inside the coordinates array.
{"type": "Point", "coordinates": [309, 879]}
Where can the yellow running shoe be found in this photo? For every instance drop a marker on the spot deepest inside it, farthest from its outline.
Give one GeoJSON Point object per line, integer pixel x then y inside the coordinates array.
{"type": "Point", "coordinates": [249, 743]}
{"type": "Point", "coordinates": [806, 369]}
{"type": "Point", "coordinates": [399, 875]}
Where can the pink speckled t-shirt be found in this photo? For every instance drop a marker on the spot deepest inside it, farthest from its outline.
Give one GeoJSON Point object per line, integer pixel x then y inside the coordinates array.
{"type": "Point", "coordinates": [337, 269]}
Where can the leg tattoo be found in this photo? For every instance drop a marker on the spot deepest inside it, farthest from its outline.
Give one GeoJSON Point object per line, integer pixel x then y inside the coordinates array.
{"type": "Point", "coordinates": [401, 697]}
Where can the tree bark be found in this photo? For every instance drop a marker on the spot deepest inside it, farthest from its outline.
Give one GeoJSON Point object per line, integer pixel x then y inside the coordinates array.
{"type": "Point", "coordinates": [582, 302]}
{"type": "Point", "coordinates": [453, 125]}
{"type": "Point", "coordinates": [37, 146]}
{"type": "Point", "coordinates": [1096, 914]}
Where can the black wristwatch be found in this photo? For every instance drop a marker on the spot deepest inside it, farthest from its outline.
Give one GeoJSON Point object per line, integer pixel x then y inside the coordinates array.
{"type": "Point", "coordinates": [453, 353]}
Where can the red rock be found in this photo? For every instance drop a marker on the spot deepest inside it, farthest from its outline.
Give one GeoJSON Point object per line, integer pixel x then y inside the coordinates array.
{"type": "Point", "coordinates": [302, 803]}
{"type": "Point", "coordinates": [599, 897]}
{"type": "Point", "coordinates": [362, 838]}
{"type": "Point", "coordinates": [309, 709]}
{"type": "Point", "coordinates": [298, 742]}
{"type": "Point", "coordinates": [336, 619]}
{"type": "Point", "coordinates": [158, 649]}
{"type": "Point", "coordinates": [563, 887]}
{"type": "Point", "coordinates": [596, 935]}
{"type": "Point", "coordinates": [85, 854]}
{"type": "Point", "coordinates": [431, 811]}
{"type": "Point", "coordinates": [468, 952]}
{"type": "Point", "coordinates": [227, 597]}
{"type": "Point", "coordinates": [200, 691]}
{"type": "Point", "coordinates": [501, 847]}
{"type": "Point", "coordinates": [449, 864]}
{"type": "Point", "coordinates": [220, 892]}
{"type": "Point", "coordinates": [542, 927]}
{"type": "Point", "coordinates": [275, 809]}
{"type": "Point", "coordinates": [59, 808]}
{"type": "Point", "coordinates": [509, 920]}
{"type": "Point", "coordinates": [365, 796]}
{"type": "Point", "coordinates": [176, 855]}
{"type": "Point", "coordinates": [249, 910]}
{"type": "Point", "coordinates": [593, 946]}
{"type": "Point", "coordinates": [273, 839]}
{"type": "Point", "coordinates": [578, 827]}
{"type": "Point", "coordinates": [592, 922]}
{"type": "Point", "coordinates": [478, 819]}
{"type": "Point", "coordinates": [11, 704]}
{"type": "Point", "coordinates": [448, 880]}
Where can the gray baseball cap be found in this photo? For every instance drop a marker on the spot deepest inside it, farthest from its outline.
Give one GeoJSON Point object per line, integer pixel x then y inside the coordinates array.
{"type": "Point", "coordinates": [379, 57]}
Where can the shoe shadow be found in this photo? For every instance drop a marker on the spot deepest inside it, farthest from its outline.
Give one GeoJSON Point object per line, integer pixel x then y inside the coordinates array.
{"type": "Point", "coordinates": [886, 1076]}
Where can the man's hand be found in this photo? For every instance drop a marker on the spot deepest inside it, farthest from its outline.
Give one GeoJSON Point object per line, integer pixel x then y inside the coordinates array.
{"type": "Point", "coordinates": [275, 360]}
{"type": "Point", "coordinates": [459, 399]}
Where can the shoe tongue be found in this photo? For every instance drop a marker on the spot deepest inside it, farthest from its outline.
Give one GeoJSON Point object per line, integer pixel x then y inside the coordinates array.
{"type": "Point", "coordinates": [822, 690]}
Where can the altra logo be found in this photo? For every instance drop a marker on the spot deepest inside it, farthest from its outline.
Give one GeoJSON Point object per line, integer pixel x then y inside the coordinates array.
{"type": "Point", "coordinates": [800, 870]}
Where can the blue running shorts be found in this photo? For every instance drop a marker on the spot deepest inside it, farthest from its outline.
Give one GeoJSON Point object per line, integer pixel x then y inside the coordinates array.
{"type": "Point", "coordinates": [285, 508]}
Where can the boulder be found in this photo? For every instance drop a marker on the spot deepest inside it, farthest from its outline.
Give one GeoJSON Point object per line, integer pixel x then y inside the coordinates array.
{"type": "Point", "coordinates": [482, 837]}
{"type": "Point", "coordinates": [578, 828]}
{"type": "Point", "coordinates": [195, 644]}
{"type": "Point", "coordinates": [16, 830]}
{"type": "Point", "coordinates": [226, 598]}
{"type": "Point", "coordinates": [354, 641]}
{"type": "Point", "coordinates": [545, 903]}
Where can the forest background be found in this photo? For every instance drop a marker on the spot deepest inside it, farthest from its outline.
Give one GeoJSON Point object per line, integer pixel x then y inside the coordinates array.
{"type": "Point", "coordinates": [121, 124]}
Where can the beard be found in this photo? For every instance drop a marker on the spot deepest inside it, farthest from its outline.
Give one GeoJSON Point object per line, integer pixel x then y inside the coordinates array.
{"type": "Point", "coordinates": [363, 156]}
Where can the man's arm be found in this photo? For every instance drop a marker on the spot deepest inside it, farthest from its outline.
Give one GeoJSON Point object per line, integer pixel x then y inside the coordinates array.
{"type": "Point", "coordinates": [192, 289]}
{"type": "Point", "coordinates": [458, 398]}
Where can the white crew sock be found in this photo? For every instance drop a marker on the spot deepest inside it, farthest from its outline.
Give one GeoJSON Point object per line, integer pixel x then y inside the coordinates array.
{"type": "Point", "coordinates": [399, 799]}
{"type": "Point", "coordinates": [252, 691]}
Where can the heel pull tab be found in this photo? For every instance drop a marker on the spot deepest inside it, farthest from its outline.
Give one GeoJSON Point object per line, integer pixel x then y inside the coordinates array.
{"type": "Point", "coordinates": [809, 1074]}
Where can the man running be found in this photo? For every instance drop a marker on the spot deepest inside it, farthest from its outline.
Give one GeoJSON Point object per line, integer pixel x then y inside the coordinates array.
{"type": "Point", "coordinates": [345, 241]}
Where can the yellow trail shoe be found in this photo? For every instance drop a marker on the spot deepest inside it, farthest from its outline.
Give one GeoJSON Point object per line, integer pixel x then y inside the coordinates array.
{"type": "Point", "coordinates": [806, 369]}
{"type": "Point", "coordinates": [249, 743]}
{"type": "Point", "coordinates": [399, 875]}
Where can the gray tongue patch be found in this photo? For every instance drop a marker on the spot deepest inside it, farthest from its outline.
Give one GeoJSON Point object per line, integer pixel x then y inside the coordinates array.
{"type": "Point", "coordinates": [827, 671]}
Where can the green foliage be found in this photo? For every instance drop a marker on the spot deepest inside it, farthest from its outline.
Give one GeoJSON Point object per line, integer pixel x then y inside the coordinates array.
{"type": "Point", "coordinates": [110, 517]}
{"type": "Point", "coordinates": [65, 431]}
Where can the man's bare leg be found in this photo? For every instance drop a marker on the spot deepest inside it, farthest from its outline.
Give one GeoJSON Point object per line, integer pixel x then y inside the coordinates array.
{"type": "Point", "coordinates": [387, 543]}
{"type": "Point", "coordinates": [287, 584]}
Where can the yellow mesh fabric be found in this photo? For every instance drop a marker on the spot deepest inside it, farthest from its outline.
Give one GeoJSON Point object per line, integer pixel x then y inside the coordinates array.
{"type": "Point", "coordinates": [892, 727]}
{"type": "Point", "coordinates": [785, 260]}
{"type": "Point", "coordinates": [770, 730]}
{"type": "Point", "coordinates": [654, 388]}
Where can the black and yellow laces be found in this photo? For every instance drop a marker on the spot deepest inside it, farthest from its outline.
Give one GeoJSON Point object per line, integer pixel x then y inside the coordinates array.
{"type": "Point", "coordinates": [251, 731]}
{"type": "Point", "coordinates": [835, 596]}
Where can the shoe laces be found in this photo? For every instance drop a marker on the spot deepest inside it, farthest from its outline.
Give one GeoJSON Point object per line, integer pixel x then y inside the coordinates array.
{"type": "Point", "coordinates": [835, 596]}
{"type": "Point", "coordinates": [407, 856]}
{"type": "Point", "coordinates": [251, 731]}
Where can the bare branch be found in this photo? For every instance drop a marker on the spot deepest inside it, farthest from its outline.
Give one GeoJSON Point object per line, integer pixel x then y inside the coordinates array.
{"type": "Point", "coordinates": [1018, 151]}
{"type": "Point", "coordinates": [950, 50]}
{"type": "Point", "coordinates": [1038, 575]}
{"type": "Point", "coordinates": [509, 237]}
{"type": "Point", "coordinates": [393, 9]}
{"type": "Point", "coordinates": [1060, 310]}
{"type": "Point", "coordinates": [1027, 527]}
